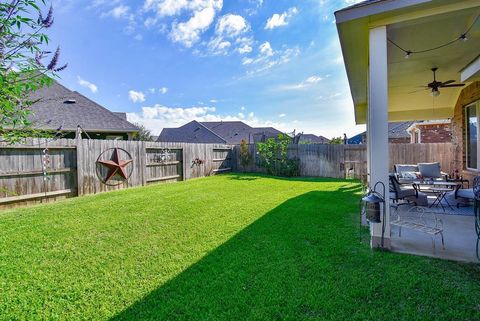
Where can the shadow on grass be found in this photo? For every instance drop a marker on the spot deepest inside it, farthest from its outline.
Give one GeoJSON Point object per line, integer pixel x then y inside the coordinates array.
{"type": "Point", "coordinates": [255, 176]}
{"type": "Point", "coordinates": [272, 269]}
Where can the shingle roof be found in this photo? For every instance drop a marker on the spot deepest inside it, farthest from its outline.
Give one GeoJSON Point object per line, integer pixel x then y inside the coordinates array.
{"type": "Point", "coordinates": [192, 132]}
{"type": "Point", "coordinates": [395, 130]}
{"type": "Point", "coordinates": [228, 132]}
{"type": "Point", "coordinates": [313, 139]}
{"type": "Point", "coordinates": [58, 107]}
{"type": "Point", "coordinates": [231, 131]}
{"type": "Point", "coordinates": [399, 129]}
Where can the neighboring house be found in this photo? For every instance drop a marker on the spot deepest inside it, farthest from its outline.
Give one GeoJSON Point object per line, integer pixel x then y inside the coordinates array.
{"type": "Point", "coordinates": [397, 133]}
{"type": "Point", "coordinates": [313, 139]}
{"type": "Point", "coordinates": [435, 131]}
{"type": "Point", "coordinates": [223, 132]}
{"type": "Point", "coordinates": [358, 139]}
{"type": "Point", "coordinates": [60, 109]}
{"type": "Point", "coordinates": [432, 131]}
{"type": "Point", "coordinates": [439, 38]}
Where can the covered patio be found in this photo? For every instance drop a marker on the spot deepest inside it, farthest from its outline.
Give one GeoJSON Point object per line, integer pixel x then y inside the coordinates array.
{"type": "Point", "coordinates": [458, 225]}
{"type": "Point", "coordinates": [415, 60]}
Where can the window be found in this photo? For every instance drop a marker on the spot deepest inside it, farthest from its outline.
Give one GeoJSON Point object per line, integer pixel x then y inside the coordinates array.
{"type": "Point", "coordinates": [471, 135]}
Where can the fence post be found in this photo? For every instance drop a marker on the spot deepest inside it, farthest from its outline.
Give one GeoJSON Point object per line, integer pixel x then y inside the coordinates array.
{"type": "Point", "coordinates": [80, 160]}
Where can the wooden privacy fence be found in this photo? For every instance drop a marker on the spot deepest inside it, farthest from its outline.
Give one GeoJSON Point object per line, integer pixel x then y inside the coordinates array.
{"type": "Point", "coordinates": [71, 166]}
{"type": "Point", "coordinates": [72, 169]}
{"type": "Point", "coordinates": [341, 161]}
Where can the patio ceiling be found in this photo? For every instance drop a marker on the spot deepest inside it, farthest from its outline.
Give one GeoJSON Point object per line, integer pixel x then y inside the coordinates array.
{"type": "Point", "coordinates": [420, 26]}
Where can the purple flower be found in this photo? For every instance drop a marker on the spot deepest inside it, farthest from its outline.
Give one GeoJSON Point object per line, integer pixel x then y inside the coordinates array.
{"type": "Point", "coordinates": [48, 21]}
{"type": "Point", "coordinates": [38, 57]}
{"type": "Point", "coordinates": [53, 63]}
{"type": "Point", "coordinates": [61, 68]}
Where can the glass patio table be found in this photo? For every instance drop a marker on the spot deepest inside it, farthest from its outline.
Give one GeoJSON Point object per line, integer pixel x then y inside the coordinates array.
{"type": "Point", "coordinates": [439, 189]}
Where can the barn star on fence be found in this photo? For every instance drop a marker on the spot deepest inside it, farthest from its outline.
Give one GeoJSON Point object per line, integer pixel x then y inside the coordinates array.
{"type": "Point", "coordinates": [115, 166]}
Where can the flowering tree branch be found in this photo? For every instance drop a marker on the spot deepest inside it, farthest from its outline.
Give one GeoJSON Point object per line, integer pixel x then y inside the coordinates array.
{"type": "Point", "coordinates": [23, 51]}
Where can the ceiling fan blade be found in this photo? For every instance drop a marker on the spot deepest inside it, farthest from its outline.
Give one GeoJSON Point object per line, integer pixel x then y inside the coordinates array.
{"type": "Point", "coordinates": [454, 85]}
{"type": "Point", "coordinates": [416, 91]}
{"type": "Point", "coordinates": [448, 82]}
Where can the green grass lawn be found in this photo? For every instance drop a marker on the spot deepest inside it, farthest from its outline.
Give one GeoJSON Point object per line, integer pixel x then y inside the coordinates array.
{"type": "Point", "coordinates": [229, 247]}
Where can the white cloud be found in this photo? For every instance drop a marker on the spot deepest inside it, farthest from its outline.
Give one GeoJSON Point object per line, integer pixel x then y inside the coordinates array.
{"type": "Point", "coordinates": [163, 90]}
{"type": "Point", "coordinates": [245, 49]}
{"type": "Point", "coordinates": [282, 115]}
{"type": "Point", "coordinates": [201, 14]}
{"type": "Point", "coordinates": [268, 58]}
{"type": "Point", "coordinates": [247, 61]}
{"type": "Point", "coordinates": [158, 117]}
{"type": "Point", "coordinates": [118, 12]}
{"type": "Point", "coordinates": [136, 96]}
{"type": "Point", "coordinates": [168, 8]}
{"type": "Point", "coordinates": [219, 46]}
{"type": "Point", "coordinates": [231, 25]}
{"type": "Point", "coordinates": [85, 83]}
{"type": "Point", "coordinates": [266, 49]}
{"type": "Point", "coordinates": [228, 36]}
{"type": "Point", "coordinates": [310, 81]}
{"type": "Point", "coordinates": [257, 4]}
{"type": "Point", "coordinates": [279, 20]}
{"type": "Point", "coordinates": [244, 45]}
{"type": "Point", "coordinates": [188, 33]}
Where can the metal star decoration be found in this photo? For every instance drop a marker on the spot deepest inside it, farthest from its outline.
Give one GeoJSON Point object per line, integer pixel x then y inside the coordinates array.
{"type": "Point", "coordinates": [115, 166]}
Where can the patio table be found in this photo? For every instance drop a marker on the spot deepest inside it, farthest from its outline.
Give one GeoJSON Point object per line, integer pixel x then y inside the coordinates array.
{"type": "Point", "coordinates": [434, 184]}
{"type": "Point", "coordinates": [439, 189]}
{"type": "Point", "coordinates": [440, 193]}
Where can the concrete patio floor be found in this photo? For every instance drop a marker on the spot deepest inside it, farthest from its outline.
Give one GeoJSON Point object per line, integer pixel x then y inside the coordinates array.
{"type": "Point", "coordinates": [459, 235]}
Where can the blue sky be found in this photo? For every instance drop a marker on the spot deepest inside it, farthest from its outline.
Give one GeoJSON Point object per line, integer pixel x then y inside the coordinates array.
{"type": "Point", "coordinates": [166, 62]}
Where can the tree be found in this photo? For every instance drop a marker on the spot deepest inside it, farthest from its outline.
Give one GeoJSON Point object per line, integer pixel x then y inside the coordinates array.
{"type": "Point", "coordinates": [336, 140]}
{"type": "Point", "coordinates": [23, 48]}
{"type": "Point", "coordinates": [274, 156]}
{"type": "Point", "coordinates": [143, 134]}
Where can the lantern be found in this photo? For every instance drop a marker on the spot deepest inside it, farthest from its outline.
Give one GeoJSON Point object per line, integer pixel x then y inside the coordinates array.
{"type": "Point", "coordinates": [372, 207]}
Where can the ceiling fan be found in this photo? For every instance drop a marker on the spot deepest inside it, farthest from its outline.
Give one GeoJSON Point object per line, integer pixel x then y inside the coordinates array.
{"type": "Point", "coordinates": [435, 85]}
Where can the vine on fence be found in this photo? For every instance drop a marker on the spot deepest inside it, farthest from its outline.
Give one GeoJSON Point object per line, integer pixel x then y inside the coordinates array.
{"type": "Point", "coordinates": [274, 157]}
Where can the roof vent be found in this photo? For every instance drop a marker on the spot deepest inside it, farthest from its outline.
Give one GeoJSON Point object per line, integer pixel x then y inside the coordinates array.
{"type": "Point", "coordinates": [70, 101]}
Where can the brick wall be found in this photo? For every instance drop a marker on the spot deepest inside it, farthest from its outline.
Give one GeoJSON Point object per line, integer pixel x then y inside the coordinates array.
{"type": "Point", "coordinates": [468, 95]}
{"type": "Point", "coordinates": [435, 133]}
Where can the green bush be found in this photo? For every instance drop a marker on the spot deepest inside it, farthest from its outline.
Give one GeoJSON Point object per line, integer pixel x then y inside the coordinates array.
{"type": "Point", "coordinates": [274, 157]}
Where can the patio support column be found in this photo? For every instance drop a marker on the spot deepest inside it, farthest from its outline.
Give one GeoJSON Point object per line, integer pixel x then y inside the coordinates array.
{"type": "Point", "coordinates": [377, 126]}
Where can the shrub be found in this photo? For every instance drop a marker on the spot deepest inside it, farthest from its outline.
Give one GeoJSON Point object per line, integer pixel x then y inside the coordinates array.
{"type": "Point", "coordinates": [245, 156]}
{"type": "Point", "coordinates": [274, 157]}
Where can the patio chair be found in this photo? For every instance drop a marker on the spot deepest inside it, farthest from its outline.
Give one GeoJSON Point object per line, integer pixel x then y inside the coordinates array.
{"type": "Point", "coordinates": [476, 210]}
{"type": "Point", "coordinates": [467, 195]}
{"type": "Point", "coordinates": [399, 192]}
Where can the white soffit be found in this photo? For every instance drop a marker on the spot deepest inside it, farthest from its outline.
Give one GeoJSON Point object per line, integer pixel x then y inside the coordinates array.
{"type": "Point", "coordinates": [472, 71]}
